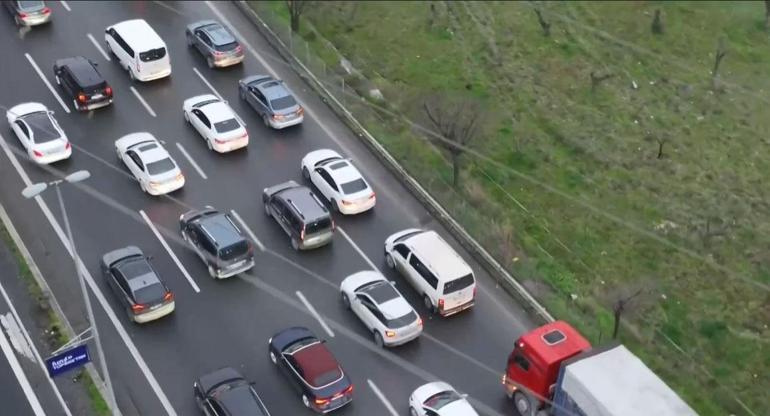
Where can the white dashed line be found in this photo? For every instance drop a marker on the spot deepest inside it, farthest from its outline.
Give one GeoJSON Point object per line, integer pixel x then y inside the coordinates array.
{"type": "Point", "coordinates": [98, 47]}
{"type": "Point", "coordinates": [315, 314]}
{"type": "Point", "coordinates": [170, 253]}
{"type": "Point", "coordinates": [361, 252]}
{"type": "Point", "coordinates": [66, 6]}
{"type": "Point", "coordinates": [45, 81]}
{"type": "Point", "coordinates": [211, 87]}
{"type": "Point", "coordinates": [248, 230]}
{"type": "Point", "coordinates": [144, 103]}
{"type": "Point", "coordinates": [20, 376]}
{"type": "Point", "coordinates": [382, 398]}
{"type": "Point", "coordinates": [192, 162]}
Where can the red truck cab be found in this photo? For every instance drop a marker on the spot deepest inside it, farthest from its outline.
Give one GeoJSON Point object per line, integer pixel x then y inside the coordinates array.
{"type": "Point", "coordinates": [533, 365]}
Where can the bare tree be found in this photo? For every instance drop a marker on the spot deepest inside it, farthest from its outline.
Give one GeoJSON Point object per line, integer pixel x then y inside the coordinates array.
{"type": "Point", "coordinates": [296, 8]}
{"type": "Point", "coordinates": [657, 23]}
{"type": "Point", "coordinates": [597, 79]}
{"type": "Point", "coordinates": [630, 297]}
{"type": "Point", "coordinates": [544, 24]}
{"type": "Point", "coordinates": [661, 142]}
{"type": "Point", "coordinates": [720, 54]}
{"type": "Point", "coordinates": [458, 121]}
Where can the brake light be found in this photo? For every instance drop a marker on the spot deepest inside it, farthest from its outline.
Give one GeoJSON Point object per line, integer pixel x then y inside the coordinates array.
{"type": "Point", "coordinates": [441, 304]}
{"type": "Point", "coordinates": [474, 291]}
{"type": "Point", "coordinates": [68, 145]}
{"type": "Point", "coordinates": [23, 15]}
{"type": "Point", "coordinates": [251, 249]}
{"type": "Point", "coordinates": [179, 177]}
{"type": "Point", "coordinates": [372, 195]}
{"type": "Point", "coordinates": [321, 402]}
{"type": "Point", "coordinates": [169, 296]}
{"type": "Point", "coordinates": [238, 48]}
{"type": "Point", "coordinates": [348, 390]}
{"type": "Point", "coordinates": [346, 202]}
{"type": "Point", "coordinates": [301, 111]}
{"type": "Point", "coordinates": [277, 117]}
{"type": "Point", "coordinates": [419, 321]}
{"type": "Point", "coordinates": [46, 10]}
{"type": "Point", "coordinates": [82, 97]}
{"type": "Point", "coordinates": [218, 141]}
{"type": "Point", "coordinates": [108, 91]}
{"type": "Point", "coordinates": [138, 307]}
{"type": "Point", "coordinates": [390, 334]}
{"type": "Point", "coordinates": [302, 234]}
{"type": "Point", "coordinates": [217, 53]}
{"type": "Point", "coordinates": [37, 154]}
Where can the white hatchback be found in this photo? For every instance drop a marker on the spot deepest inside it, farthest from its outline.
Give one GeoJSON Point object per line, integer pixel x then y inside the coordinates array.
{"type": "Point", "coordinates": [39, 133]}
{"type": "Point", "coordinates": [150, 163]}
{"type": "Point", "coordinates": [216, 122]}
{"type": "Point", "coordinates": [339, 181]}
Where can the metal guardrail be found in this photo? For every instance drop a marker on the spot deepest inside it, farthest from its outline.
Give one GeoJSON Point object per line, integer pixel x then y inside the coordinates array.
{"type": "Point", "coordinates": [503, 277]}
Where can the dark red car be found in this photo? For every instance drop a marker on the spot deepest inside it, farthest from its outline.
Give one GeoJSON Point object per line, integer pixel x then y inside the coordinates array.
{"type": "Point", "coordinates": [312, 368]}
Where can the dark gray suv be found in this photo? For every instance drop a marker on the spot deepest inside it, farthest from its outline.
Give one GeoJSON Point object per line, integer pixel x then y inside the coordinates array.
{"type": "Point", "coordinates": [300, 213]}
{"type": "Point", "coordinates": [217, 241]}
{"type": "Point", "coordinates": [215, 43]}
{"type": "Point", "coordinates": [272, 100]}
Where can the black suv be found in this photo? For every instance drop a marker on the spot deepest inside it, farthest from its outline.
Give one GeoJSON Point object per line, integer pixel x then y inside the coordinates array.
{"type": "Point", "coordinates": [225, 392]}
{"type": "Point", "coordinates": [218, 242]}
{"type": "Point", "coordinates": [81, 81]}
{"type": "Point", "coordinates": [300, 213]}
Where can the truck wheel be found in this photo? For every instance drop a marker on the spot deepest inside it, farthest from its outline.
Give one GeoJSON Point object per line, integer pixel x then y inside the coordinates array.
{"type": "Point", "coordinates": [523, 404]}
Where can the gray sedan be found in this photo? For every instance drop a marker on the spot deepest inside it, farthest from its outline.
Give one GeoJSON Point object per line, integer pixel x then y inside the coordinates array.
{"type": "Point", "coordinates": [272, 100]}
{"type": "Point", "coordinates": [215, 43]}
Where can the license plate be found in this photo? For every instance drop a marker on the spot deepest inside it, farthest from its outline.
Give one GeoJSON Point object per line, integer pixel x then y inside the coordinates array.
{"type": "Point", "coordinates": [152, 308]}
{"type": "Point", "coordinates": [97, 96]}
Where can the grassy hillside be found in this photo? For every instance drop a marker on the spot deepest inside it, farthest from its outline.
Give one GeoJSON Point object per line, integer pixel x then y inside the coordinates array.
{"type": "Point", "coordinates": [572, 194]}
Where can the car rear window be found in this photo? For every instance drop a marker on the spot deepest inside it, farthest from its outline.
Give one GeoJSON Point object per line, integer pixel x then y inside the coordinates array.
{"type": "Point", "coordinates": [227, 125]}
{"type": "Point", "coordinates": [317, 226]}
{"type": "Point", "coordinates": [234, 250]}
{"type": "Point", "coordinates": [160, 166]}
{"type": "Point", "coordinates": [152, 55]}
{"type": "Point", "coordinates": [357, 185]}
{"type": "Point", "coordinates": [149, 294]}
{"type": "Point", "coordinates": [95, 88]}
{"type": "Point", "coordinates": [226, 47]}
{"type": "Point", "coordinates": [31, 6]}
{"type": "Point", "coordinates": [401, 321]}
{"type": "Point", "coordinates": [283, 102]}
{"type": "Point", "coordinates": [458, 284]}
{"type": "Point", "coordinates": [326, 378]}
{"type": "Point", "coordinates": [42, 127]}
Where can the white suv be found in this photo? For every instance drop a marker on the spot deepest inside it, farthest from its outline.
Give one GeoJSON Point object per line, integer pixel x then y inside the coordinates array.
{"type": "Point", "coordinates": [433, 268]}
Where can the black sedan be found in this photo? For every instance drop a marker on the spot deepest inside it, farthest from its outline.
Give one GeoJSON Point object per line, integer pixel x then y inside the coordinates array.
{"type": "Point", "coordinates": [133, 280]}
{"type": "Point", "coordinates": [226, 392]}
{"type": "Point", "coordinates": [311, 368]}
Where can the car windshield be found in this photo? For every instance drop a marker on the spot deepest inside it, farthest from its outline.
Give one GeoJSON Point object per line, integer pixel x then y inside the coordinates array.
{"type": "Point", "coordinates": [458, 284]}
{"type": "Point", "coordinates": [402, 321]}
{"type": "Point", "coordinates": [31, 6]}
{"type": "Point", "coordinates": [326, 377]}
{"type": "Point", "coordinates": [234, 250]}
{"type": "Point", "coordinates": [227, 125]}
{"type": "Point", "coordinates": [203, 103]}
{"type": "Point", "coordinates": [160, 166]}
{"type": "Point", "coordinates": [283, 103]}
{"type": "Point", "coordinates": [150, 294]}
{"type": "Point", "coordinates": [152, 55]}
{"type": "Point", "coordinates": [43, 129]}
{"type": "Point", "coordinates": [319, 225]}
{"type": "Point", "coordinates": [439, 400]}
{"type": "Point", "coordinates": [352, 187]}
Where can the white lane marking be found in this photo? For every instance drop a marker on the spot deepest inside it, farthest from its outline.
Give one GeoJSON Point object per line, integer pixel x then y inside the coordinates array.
{"type": "Point", "coordinates": [163, 4]}
{"type": "Point", "coordinates": [358, 249]}
{"type": "Point", "coordinates": [211, 87]}
{"type": "Point", "coordinates": [170, 253]}
{"type": "Point", "coordinates": [13, 329]}
{"type": "Point", "coordinates": [66, 6]}
{"type": "Point", "coordinates": [19, 373]}
{"type": "Point", "coordinates": [382, 398]}
{"type": "Point", "coordinates": [315, 314]}
{"type": "Point", "coordinates": [248, 230]}
{"type": "Point", "coordinates": [144, 103]}
{"type": "Point", "coordinates": [98, 47]}
{"type": "Point", "coordinates": [35, 351]}
{"type": "Point", "coordinates": [45, 81]}
{"type": "Point", "coordinates": [192, 162]}
{"type": "Point", "coordinates": [153, 382]}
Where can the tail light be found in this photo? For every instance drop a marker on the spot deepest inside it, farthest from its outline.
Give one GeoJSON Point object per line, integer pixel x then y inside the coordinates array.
{"type": "Point", "coordinates": [68, 146]}
{"type": "Point", "coordinates": [302, 234]}
{"type": "Point", "coordinates": [179, 177]}
{"type": "Point", "coordinates": [138, 307]}
{"type": "Point", "coordinates": [168, 297]}
{"type": "Point", "coordinates": [346, 202]}
{"type": "Point", "coordinates": [251, 249]}
{"type": "Point", "coordinates": [419, 321]}
{"type": "Point", "coordinates": [277, 117]}
{"type": "Point", "coordinates": [390, 334]}
{"type": "Point", "coordinates": [348, 390]}
{"type": "Point", "coordinates": [218, 141]}
{"type": "Point", "coordinates": [474, 291]}
{"type": "Point", "coordinates": [108, 91]}
{"type": "Point", "coordinates": [23, 15]}
{"type": "Point", "coordinates": [441, 304]}
{"type": "Point", "coordinates": [301, 111]}
{"type": "Point", "coordinates": [372, 195]}
{"type": "Point", "coordinates": [46, 10]}
{"type": "Point", "coordinates": [37, 154]}
{"type": "Point", "coordinates": [321, 402]}
{"type": "Point", "coordinates": [239, 48]}
{"type": "Point", "coordinates": [82, 97]}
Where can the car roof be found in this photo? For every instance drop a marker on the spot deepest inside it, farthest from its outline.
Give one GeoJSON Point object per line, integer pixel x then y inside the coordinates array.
{"type": "Point", "coordinates": [217, 111]}
{"type": "Point", "coordinates": [438, 255]}
{"type": "Point", "coordinates": [305, 201]}
{"type": "Point", "coordinates": [83, 71]}
{"type": "Point", "coordinates": [139, 35]}
{"type": "Point", "coordinates": [219, 227]}
{"type": "Point", "coordinates": [219, 34]}
{"type": "Point", "coordinates": [315, 360]}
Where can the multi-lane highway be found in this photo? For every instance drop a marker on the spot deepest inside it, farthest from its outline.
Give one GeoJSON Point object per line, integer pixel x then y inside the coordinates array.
{"type": "Point", "coordinates": [224, 323]}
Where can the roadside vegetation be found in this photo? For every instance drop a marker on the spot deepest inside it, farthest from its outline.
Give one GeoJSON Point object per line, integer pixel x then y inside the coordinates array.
{"type": "Point", "coordinates": [613, 159]}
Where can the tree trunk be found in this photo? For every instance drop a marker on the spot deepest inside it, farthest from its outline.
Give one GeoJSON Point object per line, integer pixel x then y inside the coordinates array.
{"type": "Point", "coordinates": [721, 52]}
{"type": "Point", "coordinates": [660, 148]}
{"type": "Point", "coordinates": [455, 170]}
{"type": "Point", "coordinates": [294, 22]}
{"type": "Point", "coordinates": [618, 312]}
{"type": "Point", "coordinates": [544, 24]}
{"type": "Point", "coordinates": [657, 23]}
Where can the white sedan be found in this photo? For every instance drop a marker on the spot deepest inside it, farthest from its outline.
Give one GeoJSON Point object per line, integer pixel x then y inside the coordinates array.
{"type": "Point", "coordinates": [39, 133]}
{"type": "Point", "coordinates": [339, 181]}
{"type": "Point", "coordinates": [216, 122]}
{"type": "Point", "coordinates": [150, 163]}
{"type": "Point", "coordinates": [387, 315]}
{"type": "Point", "coordinates": [439, 399]}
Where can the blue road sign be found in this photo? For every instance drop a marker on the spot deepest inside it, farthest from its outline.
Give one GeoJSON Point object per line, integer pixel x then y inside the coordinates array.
{"type": "Point", "coordinates": [67, 360]}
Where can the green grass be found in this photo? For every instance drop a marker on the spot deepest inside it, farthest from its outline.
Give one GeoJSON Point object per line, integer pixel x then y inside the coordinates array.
{"type": "Point", "coordinates": [598, 146]}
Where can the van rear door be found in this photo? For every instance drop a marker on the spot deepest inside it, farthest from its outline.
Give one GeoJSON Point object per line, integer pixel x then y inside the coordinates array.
{"type": "Point", "coordinates": [458, 292]}
{"type": "Point", "coordinates": [152, 62]}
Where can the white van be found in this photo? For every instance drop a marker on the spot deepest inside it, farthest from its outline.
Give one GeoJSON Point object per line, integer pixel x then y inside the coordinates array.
{"type": "Point", "coordinates": [139, 50]}
{"type": "Point", "coordinates": [433, 268]}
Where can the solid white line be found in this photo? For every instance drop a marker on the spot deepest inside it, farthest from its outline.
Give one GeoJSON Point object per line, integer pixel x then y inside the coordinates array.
{"type": "Point", "coordinates": [144, 103]}
{"type": "Point", "coordinates": [153, 382]}
{"type": "Point", "coordinates": [98, 47]}
{"type": "Point", "coordinates": [192, 162]}
{"type": "Point", "coordinates": [66, 6]}
{"type": "Point", "coordinates": [361, 252]}
{"type": "Point", "coordinates": [315, 314]}
{"type": "Point", "coordinates": [163, 4]}
{"type": "Point", "coordinates": [170, 253]}
{"type": "Point", "coordinates": [248, 230]}
{"type": "Point", "coordinates": [16, 367]}
{"type": "Point", "coordinates": [45, 81]}
{"type": "Point", "coordinates": [35, 351]}
{"type": "Point", "coordinates": [211, 87]}
{"type": "Point", "coordinates": [382, 398]}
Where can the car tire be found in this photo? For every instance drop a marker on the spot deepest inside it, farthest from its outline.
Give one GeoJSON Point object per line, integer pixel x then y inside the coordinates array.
{"type": "Point", "coordinates": [141, 185]}
{"type": "Point", "coordinates": [131, 75]}
{"type": "Point", "coordinates": [212, 272]}
{"type": "Point", "coordinates": [241, 93]}
{"type": "Point", "coordinates": [210, 62]}
{"type": "Point", "coordinates": [189, 40]}
{"type": "Point", "coordinates": [109, 49]}
{"type": "Point", "coordinates": [428, 304]}
{"type": "Point", "coordinates": [412, 412]}
{"type": "Point", "coordinates": [117, 154]}
{"type": "Point", "coordinates": [345, 301]}
{"type": "Point", "coordinates": [267, 210]}
{"type": "Point", "coordinates": [306, 401]}
{"type": "Point", "coordinates": [186, 117]}
{"type": "Point", "coordinates": [273, 358]}
{"type": "Point", "coordinates": [294, 244]}
{"type": "Point", "coordinates": [334, 205]}
{"type": "Point", "coordinates": [208, 144]}
{"type": "Point", "coordinates": [305, 173]}
{"type": "Point", "coordinates": [266, 121]}
{"type": "Point", "coordinates": [389, 261]}
{"type": "Point", "coordinates": [378, 340]}
{"type": "Point", "coordinates": [523, 404]}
